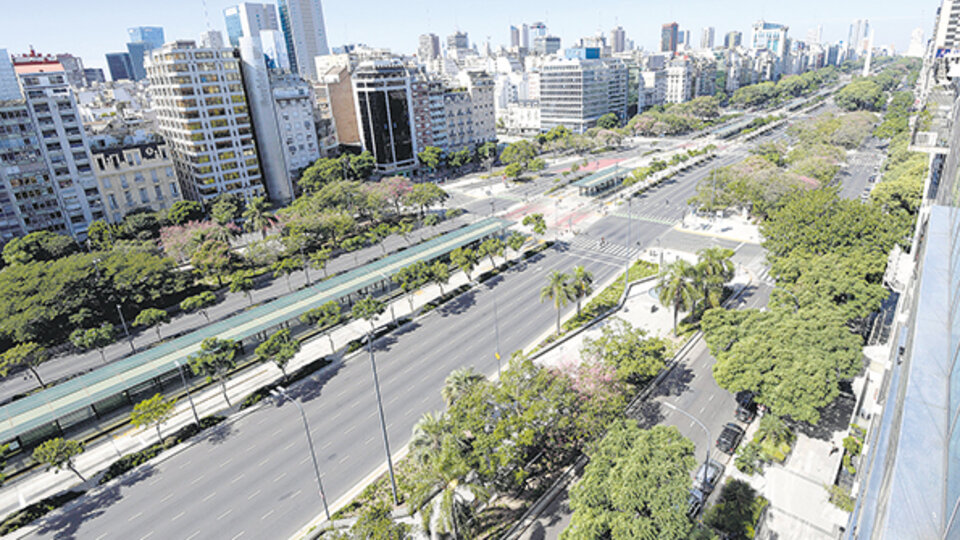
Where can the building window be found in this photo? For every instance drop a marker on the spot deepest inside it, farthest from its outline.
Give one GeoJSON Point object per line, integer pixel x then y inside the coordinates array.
{"type": "Point", "coordinates": [106, 182]}
{"type": "Point", "coordinates": [153, 175]}
{"type": "Point", "coordinates": [143, 196]}
{"type": "Point", "coordinates": [113, 201]}
{"type": "Point", "coordinates": [169, 172]}
{"type": "Point", "coordinates": [173, 190]}
{"type": "Point", "coordinates": [128, 197]}
{"type": "Point", "coordinates": [159, 193]}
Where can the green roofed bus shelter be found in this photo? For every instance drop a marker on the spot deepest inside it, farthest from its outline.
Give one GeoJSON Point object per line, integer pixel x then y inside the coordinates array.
{"type": "Point", "coordinates": [601, 181]}
{"type": "Point", "coordinates": [91, 400]}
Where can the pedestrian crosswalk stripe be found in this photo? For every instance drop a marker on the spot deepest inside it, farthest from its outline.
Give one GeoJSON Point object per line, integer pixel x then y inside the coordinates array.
{"type": "Point", "coordinates": [609, 248]}
{"type": "Point", "coordinates": [645, 217]}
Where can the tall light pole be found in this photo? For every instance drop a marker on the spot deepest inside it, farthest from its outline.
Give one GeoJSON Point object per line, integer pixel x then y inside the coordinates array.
{"type": "Point", "coordinates": [393, 314]}
{"type": "Point", "coordinates": [626, 273]}
{"type": "Point", "coordinates": [280, 393]}
{"type": "Point", "coordinates": [383, 420]}
{"type": "Point", "coordinates": [183, 379]}
{"type": "Point", "coordinates": [125, 329]}
{"type": "Point", "coordinates": [306, 265]}
{"type": "Point", "coordinates": [706, 463]}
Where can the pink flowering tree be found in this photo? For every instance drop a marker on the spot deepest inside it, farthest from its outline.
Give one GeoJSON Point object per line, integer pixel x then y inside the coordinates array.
{"type": "Point", "coordinates": [395, 188]}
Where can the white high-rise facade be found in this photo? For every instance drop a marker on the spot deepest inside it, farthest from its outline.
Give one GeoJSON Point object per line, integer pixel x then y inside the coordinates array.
{"type": "Point", "coordinates": [248, 19]}
{"type": "Point", "coordinates": [575, 92]}
{"type": "Point", "coordinates": [707, 37]}
{"type": "Point", "coordinates": [306, 35]}
{"type": "Point", "coordinates": [9, 87]}
{"type": "Point", "coordinates": [202, 112]}
{"type": "Point", "coordinates": [65, 148]}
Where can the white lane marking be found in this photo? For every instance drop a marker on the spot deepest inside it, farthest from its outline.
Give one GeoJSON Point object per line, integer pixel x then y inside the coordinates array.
{"type": "Point", "coordinates": [304, 460]}
{"type": "Point", "coordinates": [237, 478]}
{"type": "Point", "coordinates": [166, 498]}
{"type": "Point", "coordinates": [238, 535]}
{"type": "Point", "coordinates": [710, 398]}
{"type": "Point", "coordinates": [328, 445]}
{"type": "Point", "coordinates": [289, 446]}
{"type": "Point", "coordinates": [208, 497]}
{"type": "Point", "coordinates": [265, 516]}
{"type": "Point", "coordinates": [264, 462]}
{"type": "Point", "coordinates": [135, 516]}
{"type": "Point", "coordinates": [254, 494]}
{"type": "Point", "coordinates": [197, 479]}
{"type": "Point", "coordinates": [102, 536]}
{"type": "Point", "coordinates": [178, 516]}
{"type": "Point", "coordinates": [193, 535]}
{"type": "Point", "coordinates": [702, 408]}
{"type": "Point", "coordinates": [278, 478]}
{"type": "Point", "coordinates": [368, 441]}
{"type": "Point", "coordinates": [344, 460]}
{"type": "Point", "coordinates": [351, 428]}
{"type": "Point", "coordinates": [148, 535]}
{"type": "Point", "coordinates": [223, 515]}
{"type": "Point", "coordinates": [224, 464]}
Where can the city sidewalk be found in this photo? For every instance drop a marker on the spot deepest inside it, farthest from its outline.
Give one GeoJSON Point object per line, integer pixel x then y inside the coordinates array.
{"type": "Point", "coordinates": [210, 400]}
{"type": "Point", "coordinates": [736, 228]}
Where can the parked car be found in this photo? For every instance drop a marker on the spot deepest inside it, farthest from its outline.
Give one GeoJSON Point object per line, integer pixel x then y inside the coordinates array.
{"type": "Point", "coordinates": [695, 503]}
{"type": "Point", "coordinates": [746, 406]}
{"type": "Point", "coordinates": [707, 476]}
{"type": "Point", "coordinates": [729, 438]}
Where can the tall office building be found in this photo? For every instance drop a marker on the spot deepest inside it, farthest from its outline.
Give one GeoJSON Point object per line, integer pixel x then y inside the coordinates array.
{"type": "Point", "coordinates": [457, 41]}
{"type": "Point", "coordinates": [525, 36]}
{"type": "Point", "coordinates": [248, 19]}
{"type": "Point", "coordinates": [859, 31]}
{"type": "Point", "coordinates": [771, 37]}
{"type": "Point", "coordinates": [9, 87]}
{"type": "Point", "coordinates": [618, 40]}
{"type": "Point", "coordinates": [732, 39]}
{"type": "Point", "coordinates": [202, 112]}
{"type": "Point", "coordinates": [429, 48]}
{"type": "Point", "coordinates": [119, 66]}
{"type": "Point", "coordinates": [211, 39]}
{"type": "Point", "coordinates": [538, 29]}
{"type": "Point", "coordinates": [707, 37]}
{"type": "Point", "coordinates": [947, 32]}
{"type": "Point", "coordinates": [302, 25]}
{"type": "Point", "coordinates": [384, 101]}
{"type": "Point", "coordinates": [546, 45]}
{"type": "Point", "coordinates": [152, 35]}
{"type": "Point", "coordinates": [136, 52]}
{"type": "Point", "coordinates": [668, 37]}
{"type": "Point", "coordinates": [63, 142]}
{"type": "Point", "coordinates": [275, 49]}
{"type": "Point", "coordinates": [576, 92]}
{"type": "Point", "coordinates": [514, 37]}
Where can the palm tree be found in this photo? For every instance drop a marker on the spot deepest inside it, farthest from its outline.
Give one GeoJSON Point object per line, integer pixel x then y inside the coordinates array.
{"type": "Point", "coordinates": [447, 472]}
{"type": "Point", "coordinates": [677, 288]}
{"type": "Point", "coordinates": [458, 382]}
{"type": "Point", "coordinates": [257, 216]}
{"type": "Point", "coordinates": [582, 283]}
{"type": "Point", "coordinates": [559, 290]}
{"type": "Point", "coordinates": [428, 436]}
{"type": "Point", "coordinates": [714, 269]}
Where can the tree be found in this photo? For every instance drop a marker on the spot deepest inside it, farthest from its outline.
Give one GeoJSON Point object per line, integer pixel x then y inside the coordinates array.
{"type": "Point", "coordinates": [792, 359]}
{"type": "Point", "coordinates": [428, 434]}
{"type": "Point", "coordinates": [214, 360]}
{"type": "Point", "coordinates": [362, 165]}
{"type": "Point", "coordinates": [376, 522]}
{"type": "Point", "coordinates": [430, 157]}
{"type": "Point", "coordinates": [242, 282]}
{"type": "Point", "coordinates": [320, 258]}
{"type": "Point", "coordinates": [458, 382]}
{"type": "Point", "coordinates": [94, 338]}
{"type": "Point", "coordinates": [412, 278]}
{"type": "Point", "coordinates": [677, 289]}
{"type": "Point", "coordinates": [714, 269]}
{"type": "Point", "coordinates": [367, 308]}
{"type": "Point", "coordinates": [440, 274]}
{"type": "Point", "coordinates": [516, 241]}
{"type": "Point", "coordinates": [325, 317]}
{"type": "Point", "coordinates": [736, 511]}
{"type": "Point", "coordinates": [323, 171]}
{"type": "Point", "coordinates": [226, 209]}
{"type": "Point", "coordinates": [396, 189]}
{"type": "Point", "coordinates": [465, 259]}
{"type": "Point", "coordinates": [38, 246]}
{"type": "Point", "coordinates": [279, 348]}
{"type": "Point", "coordinates": [521, 152]}
{"type": "Point", "coordinates": [491, 247]}
{"type": "Point", "coordinates": [537, 222]}
{"type": "Point", "coordinates": [184, 212]}
{"type": "Point", "coordinates": [153, 411]}
{"type": "Point", "coordinates": [560, 290]}
{"type": "Point", "coordinates": [627, 349]}
{"type": "Point", "coordinates": [376, 235]}
{"type": "Point", "coordinates": [862, 94]}
{"type": "Point", "coordinates": [488, 153]}
{"type": "Point", "coordinates": [424, 196]}
{"type": "Point", "coordinates": [199, 302]}
{"type": "Point", "coordinates": [608, 121]}
{"type": "Point", "coordinates": [59, 453]}
{"type": "Point", "coordinates": [582, 283]}
{"type": "Point", "coordinates": [636, 486]}
{"type": "Point", "coordinates": [152, 318]}
{"type": "Point", "coordinates": [29, 355]}
{"type": "Point", "coordinates": [286, 266]}
{"type": "Point", "coordinates": [513, 170]}
{"type": "Point", "coordinates": [257, 216]}
{"type": "Point", "coordinates": [213, 259]}
{"type": "Point", "coordinates": [101, 236]}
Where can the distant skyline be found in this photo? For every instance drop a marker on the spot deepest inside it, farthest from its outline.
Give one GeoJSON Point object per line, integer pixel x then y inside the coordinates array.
{"type": "Point", "coordinates": [92, 29]}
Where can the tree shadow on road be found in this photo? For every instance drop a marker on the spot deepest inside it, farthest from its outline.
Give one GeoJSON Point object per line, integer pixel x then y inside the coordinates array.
{"type": "Point", "coordinates": [218, 434]}
{"type": "Point", "coordinates": [66, 523]}
{"type": "Point", "coordinates": [648, 414]}
{"type": "Point", "coordinates": [459, 304]}
{"type": "Point", "coordinates": [833, 418]}
{"type": "Point", "coordinates": [310, 387]}
{"type": "Point", "coordinates": [675, 384]}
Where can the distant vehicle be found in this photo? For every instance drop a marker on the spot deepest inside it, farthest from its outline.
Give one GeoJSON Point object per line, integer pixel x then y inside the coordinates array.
{"type": "Point", "coordinates": [695, 503]}
{"type": "Point", "coordinates": [707, 475]}
{"type": "Point", "coordinates": [729, 438]}
{"type": "Point", "coordinates": [746, 406]}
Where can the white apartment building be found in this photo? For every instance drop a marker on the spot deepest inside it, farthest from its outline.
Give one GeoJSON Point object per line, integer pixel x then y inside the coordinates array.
{"type": "Point", "coordinates": [679, 81]}
{"type": "Point", "coordinates": [293, 104]}
{"type": "Point", "coordinates": [202, 113]}
{"type": "Point", "coordinates": [135, 174]}
{"type": "Point", "coordinates": [64, 145]}
{"type": "Point", "coordinates": [576, 92]}
{"type": "Point", "coordinates": [653, 89]}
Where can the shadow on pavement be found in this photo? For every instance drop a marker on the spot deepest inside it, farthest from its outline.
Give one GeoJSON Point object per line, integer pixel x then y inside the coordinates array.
{"type": "Point", "coordinates": [834, 417]}
{"type": "Point", "coordinates": [66, 523]}
{"type": "Point", "coordinates": [218, 434]}
{"type": "Point", "coordinates": [458, 305]}
{"type": "Point", "coordinates": [310, 388]}
{"type": "Point", "coordinates": [649, 414]}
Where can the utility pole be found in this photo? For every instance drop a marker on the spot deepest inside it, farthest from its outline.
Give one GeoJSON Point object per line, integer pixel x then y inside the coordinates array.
{"type": "Point", "coordinates": [383, 421]}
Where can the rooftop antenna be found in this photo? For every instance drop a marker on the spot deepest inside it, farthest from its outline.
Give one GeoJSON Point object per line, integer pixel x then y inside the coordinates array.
{"type": "Point", "coordinates": [206, 16]}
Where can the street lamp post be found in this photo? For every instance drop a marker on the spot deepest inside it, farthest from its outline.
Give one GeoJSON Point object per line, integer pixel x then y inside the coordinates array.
{"type": "Point", "coordinates": [660, 250]}
{"type": "Point", "coordinates": [383, 420]}
{"type": "Point", "coordinates": [279, 393]}
{"type": "Point", "coordinates": [706, 463]}
{"type": "Point", "coordinates": [183, 379]}
{"type": "Point", "coordinates": [306, 265]}
{"type": "Point", "coordinates": [626, 273]}
{"type": "Point", "coordinates": [125, 329]}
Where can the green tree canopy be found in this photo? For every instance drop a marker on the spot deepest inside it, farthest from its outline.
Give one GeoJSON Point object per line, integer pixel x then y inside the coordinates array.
{"type": "Point", "coordinates": [214, 360]}
{"type": "Point", "coordinates": [29, 355]}
{"type": "Point", "coordinates": [153, 411]}
{"type": "Point", "coordinates": [152, 318]}
{"type": "Point", "coordinates": [38, 246]}
{"type": "Point", "coordinates": [59, 453]}
{"type": "Point", "coordinates": [635, 487]}
{"type": "Point", "coordinates": [199, 302]}
{"type": "Point", "coordinates": [185, 211]}
{"type": "Point", "coordinates": [280, 348]}
{"type": "Point", "coordinates": [94, 338]}
{"type": "Point", "coordinates": [608, 121]}
{"type": "Point", "coordinates": [635, 357]}
{"type": "Point", "coordinates": [227, 208]}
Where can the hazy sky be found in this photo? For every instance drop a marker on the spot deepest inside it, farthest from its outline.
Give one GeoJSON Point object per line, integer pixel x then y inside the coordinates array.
{"type": "Point", "coordinates": [91, 28]}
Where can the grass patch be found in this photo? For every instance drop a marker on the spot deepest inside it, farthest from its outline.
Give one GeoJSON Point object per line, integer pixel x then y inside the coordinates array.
{"type": "Point", "coordinates": [609, 297]}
